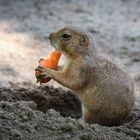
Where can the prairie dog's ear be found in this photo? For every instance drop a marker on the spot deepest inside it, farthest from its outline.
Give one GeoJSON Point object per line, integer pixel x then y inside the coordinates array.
{"type": "Point", "coordinates": [83, 40]}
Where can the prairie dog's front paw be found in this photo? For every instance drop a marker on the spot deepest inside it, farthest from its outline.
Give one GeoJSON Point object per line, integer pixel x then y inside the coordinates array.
{"type": "Point", "coordinates": [44, 73]}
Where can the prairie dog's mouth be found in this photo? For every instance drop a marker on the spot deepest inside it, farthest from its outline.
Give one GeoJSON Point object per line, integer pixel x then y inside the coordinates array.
{"type": "Point", "coordinates": [55, 45]}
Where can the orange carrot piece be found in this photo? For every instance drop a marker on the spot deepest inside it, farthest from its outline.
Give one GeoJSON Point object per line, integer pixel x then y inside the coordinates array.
{"type": "Point", "coordinates": [51, 62]}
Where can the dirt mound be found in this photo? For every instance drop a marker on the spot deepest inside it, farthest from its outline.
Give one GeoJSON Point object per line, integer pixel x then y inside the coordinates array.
{"type": "Point", "coordinates": [45, 98]}
{"type": "Point", "coordinates": [20, 118]}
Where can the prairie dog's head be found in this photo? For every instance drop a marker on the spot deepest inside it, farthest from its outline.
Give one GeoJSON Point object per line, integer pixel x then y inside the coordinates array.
{"type": "Point", "coordinates": [71, 41]}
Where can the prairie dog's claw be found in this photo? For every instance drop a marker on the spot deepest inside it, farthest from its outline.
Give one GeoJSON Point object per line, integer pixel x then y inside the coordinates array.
{"type": "Point", "coordinates": [41, 60]}
{"type": "Point", "coordinates": [36, 69]}
{"type": "Point", "coordinates": [40, 78]}
{"type": "Point", "coordinates": [39, 68]}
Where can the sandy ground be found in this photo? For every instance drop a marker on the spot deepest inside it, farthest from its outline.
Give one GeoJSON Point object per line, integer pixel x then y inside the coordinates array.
{"type": "Point", "coordinates": [24, 27]}
{"type": "Point", "coordinates": [21, 120]}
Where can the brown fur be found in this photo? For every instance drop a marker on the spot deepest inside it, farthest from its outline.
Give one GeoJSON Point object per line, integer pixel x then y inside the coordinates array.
{"type": "Point", "coordinates": [106, 91]}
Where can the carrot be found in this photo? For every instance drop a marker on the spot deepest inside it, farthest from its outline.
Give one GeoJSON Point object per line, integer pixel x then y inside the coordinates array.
{"type": "Point", "coordinates": [51, 62]}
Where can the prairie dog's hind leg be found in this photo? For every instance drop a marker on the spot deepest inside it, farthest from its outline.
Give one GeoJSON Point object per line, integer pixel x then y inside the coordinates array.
{"type": "Point", "coordinates": [87, 114]}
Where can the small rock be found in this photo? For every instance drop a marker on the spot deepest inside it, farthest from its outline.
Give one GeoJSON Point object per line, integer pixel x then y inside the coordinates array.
{"type": "Point", "coordinates": [52, 112]}
{"type": "Point", "coordinates": [16, 133]}
{"type": "Point", "coordinates": [87, 136]}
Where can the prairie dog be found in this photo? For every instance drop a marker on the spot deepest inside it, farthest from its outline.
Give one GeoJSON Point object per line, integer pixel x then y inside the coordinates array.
{"type": "Point", "coordinates": [106, 91]}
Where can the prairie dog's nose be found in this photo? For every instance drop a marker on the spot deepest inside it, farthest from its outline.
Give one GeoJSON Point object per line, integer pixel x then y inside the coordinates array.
{"type": "Point", "coordinates": [51, 36]}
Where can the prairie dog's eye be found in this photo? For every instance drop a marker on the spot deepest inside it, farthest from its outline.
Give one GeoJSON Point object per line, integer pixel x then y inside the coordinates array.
{"type": "Point", "coordinates": [66, 36]}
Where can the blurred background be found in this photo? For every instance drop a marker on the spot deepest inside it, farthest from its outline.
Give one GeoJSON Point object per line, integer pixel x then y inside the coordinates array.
{"type": "Point", "coordinates": [25, 25]}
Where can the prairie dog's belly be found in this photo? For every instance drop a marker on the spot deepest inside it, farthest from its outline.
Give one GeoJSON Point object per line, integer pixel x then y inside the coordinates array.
{"type": "Point", "coordinates": [87, 96]}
